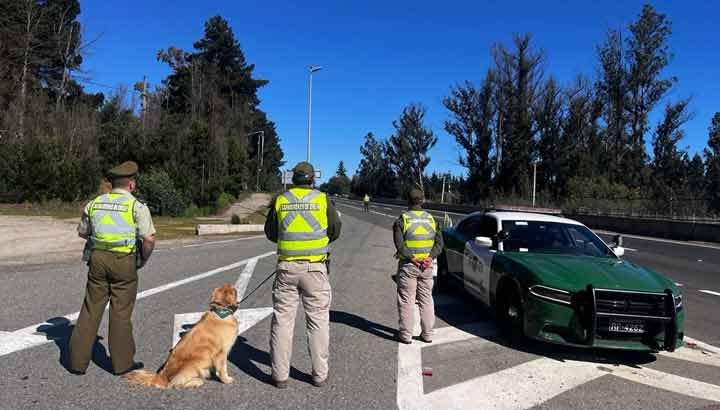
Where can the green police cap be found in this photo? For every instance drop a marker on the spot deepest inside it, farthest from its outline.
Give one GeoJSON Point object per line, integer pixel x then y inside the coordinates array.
{"type": "Point", "coordinates": [304, 168]}
{"type": "Point", "coordinates": [125, 170]}
{"type": "Point", "coordinates": [416, 196]}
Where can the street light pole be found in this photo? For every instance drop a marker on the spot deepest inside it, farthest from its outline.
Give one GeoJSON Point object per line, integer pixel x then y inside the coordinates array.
{"type": "Point", "coordinates": [534, 181]}
{"type": "Point", "coordinates": [312, 69]}
{"type": "Point", "coordinates": [260, 152]}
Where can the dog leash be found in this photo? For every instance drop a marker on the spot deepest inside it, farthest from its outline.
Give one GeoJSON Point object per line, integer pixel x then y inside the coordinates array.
{"type": "Point", "coordinates": [258, 287]}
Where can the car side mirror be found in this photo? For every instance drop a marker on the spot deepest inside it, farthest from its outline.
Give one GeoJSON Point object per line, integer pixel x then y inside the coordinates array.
{"type": "Point", "coordinates": [483, 242]}
{"type": "Point", "coordinates": [619, 251]}
{"type": "Point", "coordinates": [503, 235]}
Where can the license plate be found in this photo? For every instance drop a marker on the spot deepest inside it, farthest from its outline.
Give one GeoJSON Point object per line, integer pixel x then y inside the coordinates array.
{"type": "Point", "coordinates": [627, 326]}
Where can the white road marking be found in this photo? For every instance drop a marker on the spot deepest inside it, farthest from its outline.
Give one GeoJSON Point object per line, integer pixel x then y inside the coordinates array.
{"type": "Point", "coordinates": [702, 345]}
{"type": "Point", "coordinates": [646, 238]}
{"type": "Point", "coordinates": [678, 284]}
{"type": "Point", "coordinates": [534, 382]}
{"type": "Point", "coordinates": [669, 382]}
{"type": "Point", "coordinates": [371, 211]}
{"type": "Point", "coordinates": [224, 241]}
{"type": "Point", "coordinates": [631, 249]}
{"type": "Point", "coordinates": [242, 281]}
{"type": "Point", "coordinates": [710, 292]}
{"type": "Point", "coordinates": [27, 337]}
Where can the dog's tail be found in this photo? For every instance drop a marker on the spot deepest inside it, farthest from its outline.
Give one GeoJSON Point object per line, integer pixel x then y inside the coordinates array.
{"type": "Point", "coordinates": [146, 378]}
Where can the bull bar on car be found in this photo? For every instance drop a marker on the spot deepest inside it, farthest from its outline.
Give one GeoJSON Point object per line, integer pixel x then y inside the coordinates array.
{"type": "Point", "coordinates": [657, 310]}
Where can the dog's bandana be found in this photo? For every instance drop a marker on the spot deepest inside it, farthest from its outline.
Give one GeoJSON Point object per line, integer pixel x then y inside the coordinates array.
{"type": "Point", "coordinates": [223, 312]}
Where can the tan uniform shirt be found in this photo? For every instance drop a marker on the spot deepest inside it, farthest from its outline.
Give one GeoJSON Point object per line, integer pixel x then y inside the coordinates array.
{"type": "Point", "coordinates": [141, 213]}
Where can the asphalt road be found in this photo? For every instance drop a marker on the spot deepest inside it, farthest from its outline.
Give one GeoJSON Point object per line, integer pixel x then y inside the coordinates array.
{"type": "Point", "coordinates": [467, 366]}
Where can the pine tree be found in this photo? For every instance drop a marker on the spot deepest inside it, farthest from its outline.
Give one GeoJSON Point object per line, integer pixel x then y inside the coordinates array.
{"type": "Point", "coordinates": [712, 164]}
{"type": "Point", "coordinates": [408, 147]}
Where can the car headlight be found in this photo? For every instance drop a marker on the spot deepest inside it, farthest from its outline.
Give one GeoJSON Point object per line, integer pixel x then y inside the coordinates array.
{"type": "Point", "coordinates": [678, 301]}
{"type": "Point", "coordinates": [555, 295]}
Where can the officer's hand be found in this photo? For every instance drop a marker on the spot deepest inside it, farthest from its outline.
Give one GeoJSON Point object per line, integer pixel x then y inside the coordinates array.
{"type": "Point", "coordinates": [417, 262]}
{"type": "Point", "coordinates": [427, 263]}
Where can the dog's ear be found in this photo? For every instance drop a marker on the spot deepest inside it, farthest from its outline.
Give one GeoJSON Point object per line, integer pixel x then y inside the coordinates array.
{"type": "Point", "coordinates": [216, 296]}
{"type": "Point", "coordinates": [231, 295]}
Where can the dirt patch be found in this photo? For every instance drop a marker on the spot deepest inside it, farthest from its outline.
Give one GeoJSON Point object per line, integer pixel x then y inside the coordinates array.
{"type": "Point", "coordinates": [38, 239]}
{"type": "Point", "coordinates": [252, 209]}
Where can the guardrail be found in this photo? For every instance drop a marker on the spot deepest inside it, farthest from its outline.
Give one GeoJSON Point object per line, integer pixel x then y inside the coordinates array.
{"type": "Point", "coordinates": [703, 231]}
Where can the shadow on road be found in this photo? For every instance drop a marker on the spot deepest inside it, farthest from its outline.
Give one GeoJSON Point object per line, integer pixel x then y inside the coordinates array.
{"type": "Point", "coordinates": [360, 323]}
{"type": "Point", "coordinates": [245, 357]}
{"type": "Point", "coordinates": [59, 330]}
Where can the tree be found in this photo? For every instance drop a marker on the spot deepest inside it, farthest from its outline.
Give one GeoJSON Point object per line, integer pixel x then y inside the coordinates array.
{"type": "Point", "coordinates": [518, 77]}
{"type": "Point", "coordinates": [341, 170]}
{"type": "Point", "coordinates": [471, 125]}
{"type": "Point", "coordinates": [553, 154]}
{"type": "Point", "coordinates": [408, 147]}
{"type": "Point", "coordinates": [669, 172]}
{"type": "Point", "coordinates": [712, 164]}
{"type": "Point", "coordinates": [648, 53]}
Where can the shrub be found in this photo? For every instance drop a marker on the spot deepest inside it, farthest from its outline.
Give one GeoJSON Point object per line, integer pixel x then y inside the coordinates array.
{"type": "Point", "coordinates": [157, 190]}
{"type": "Point", "coordinates": [223, 201]}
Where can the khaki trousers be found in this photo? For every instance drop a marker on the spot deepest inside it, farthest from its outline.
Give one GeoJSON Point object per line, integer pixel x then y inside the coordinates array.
{"type": "Point", "coordinates": [414, 285]}
{"type": "Point", "coordinates": [112, 277]}
{"type": "Point", "coordinates": [308, 282]}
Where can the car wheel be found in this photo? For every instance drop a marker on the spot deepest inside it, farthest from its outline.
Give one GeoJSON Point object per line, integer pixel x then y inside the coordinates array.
{"type": "Point", "coordinates": [511, 316]}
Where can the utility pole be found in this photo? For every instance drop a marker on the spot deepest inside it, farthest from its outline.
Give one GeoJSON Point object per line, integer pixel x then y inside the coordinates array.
{"type": "Point", "coordinates": [312, 69]}
{"type": "Point", "coordinates": [442, 195]}
{"type": "Point", "coordinates": [143, 102]}
{"type": "Point", "coordinates": [534, 181]}
{"type": "Point", "coordinates": [260, 155]}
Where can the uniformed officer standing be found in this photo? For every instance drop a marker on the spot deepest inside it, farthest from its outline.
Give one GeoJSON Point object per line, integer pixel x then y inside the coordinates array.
{"type": "Point", "coordinates": [113, 224]}
{"type": "Point", "coordinates": [418, 242]}
{"type": "Point", "coordinates": [303, 223]}
{"type": "Point", "coordinates": [366, 203]}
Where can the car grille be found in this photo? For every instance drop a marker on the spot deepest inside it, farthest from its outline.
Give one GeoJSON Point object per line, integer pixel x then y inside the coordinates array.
{"type": "Point", "coordinates": [609, 302]}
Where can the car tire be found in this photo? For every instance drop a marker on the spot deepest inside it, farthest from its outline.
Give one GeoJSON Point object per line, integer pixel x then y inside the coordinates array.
{"type": "Point", "coordinates": [510, 316]}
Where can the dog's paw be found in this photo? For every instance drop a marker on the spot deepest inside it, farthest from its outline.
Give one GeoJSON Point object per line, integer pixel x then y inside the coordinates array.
{"type": "Point", "coordinates": [227, 380]}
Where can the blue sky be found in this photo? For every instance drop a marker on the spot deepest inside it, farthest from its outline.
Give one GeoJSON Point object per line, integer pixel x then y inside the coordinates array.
{"type": "Point", "coordinates": [379, 56]}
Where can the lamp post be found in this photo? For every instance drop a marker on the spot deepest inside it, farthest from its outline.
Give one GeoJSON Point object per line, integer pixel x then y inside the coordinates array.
{"type": "Point", "coordinates": [312, 70]}
{"type": "Point", "coordinates": [261, 148]}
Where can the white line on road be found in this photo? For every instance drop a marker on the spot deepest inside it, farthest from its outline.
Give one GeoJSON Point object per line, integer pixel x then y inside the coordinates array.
{"type": "Point", "coordinates": [670, 241]}
{"type": "Point", "coordinates": [669, 382]}
{"type": "Point", "coordinates": [710, 292]}
{"type": "Point", "coordinates": [26, 337]}
{"type": "Point", "coordinates": [225, 241]}
{"type": "Point", "coordinates": [242, 281]}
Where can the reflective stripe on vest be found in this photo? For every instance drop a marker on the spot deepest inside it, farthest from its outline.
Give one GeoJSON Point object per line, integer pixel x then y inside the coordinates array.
{"type": "Point", "coordinates": [113, 223]}
{"type": "Point", "coordinates": [419, 228]}
{"type": "Point", "coordinates": [302, 223]}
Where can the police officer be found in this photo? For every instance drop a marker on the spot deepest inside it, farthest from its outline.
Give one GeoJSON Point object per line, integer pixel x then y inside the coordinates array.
{"type": "Point", "coordinates": [418, 242]}
{"type": "Point", "coordinates": [366, 203]}
{"type": "Point", "coordinates": [112, 223]}
{"type": "Point", "coordinates": [303, 223]}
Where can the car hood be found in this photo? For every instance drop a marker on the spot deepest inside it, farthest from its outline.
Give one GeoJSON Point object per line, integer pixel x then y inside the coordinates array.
{"type": "Point", "coordinates": [574, 273]}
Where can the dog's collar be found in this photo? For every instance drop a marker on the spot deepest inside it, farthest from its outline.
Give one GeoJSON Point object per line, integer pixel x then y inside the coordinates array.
{"type": "Point", "coordinates": [223, 312]}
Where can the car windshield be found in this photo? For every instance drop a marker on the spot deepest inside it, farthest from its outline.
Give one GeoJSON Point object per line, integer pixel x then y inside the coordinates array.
{"type": "Point", "coordinates": [552, 237]}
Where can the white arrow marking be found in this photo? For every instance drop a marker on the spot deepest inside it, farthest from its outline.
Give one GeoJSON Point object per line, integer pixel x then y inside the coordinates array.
{"type": "Point", "coordinates": [244, 278]}
{"type": "Point", "coordinates": [27, 337]}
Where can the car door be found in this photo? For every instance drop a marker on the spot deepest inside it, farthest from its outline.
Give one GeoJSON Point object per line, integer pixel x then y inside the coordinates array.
{"type": "Point", "coordinates": [456, 242]}
{"type": "Point", "coordinates": [477, 260]}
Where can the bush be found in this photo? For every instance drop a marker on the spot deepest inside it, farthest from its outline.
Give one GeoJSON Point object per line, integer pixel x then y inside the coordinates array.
{"type": "Point", "coordinates": [157, 190]}
{"type": "Point", "coordinates": [223, 201]}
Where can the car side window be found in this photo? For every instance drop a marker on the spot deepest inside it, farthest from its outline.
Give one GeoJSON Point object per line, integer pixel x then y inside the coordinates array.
{"type": "Point", "coordinates": [488, 227]}
{"type": "Point", "coordinates": [470, 227]}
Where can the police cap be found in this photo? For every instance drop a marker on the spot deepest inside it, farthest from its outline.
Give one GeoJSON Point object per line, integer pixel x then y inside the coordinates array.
{"type": "Point", "coordinates": [127, 169]}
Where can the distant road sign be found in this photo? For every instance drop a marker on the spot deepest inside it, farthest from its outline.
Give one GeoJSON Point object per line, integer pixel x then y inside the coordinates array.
{"type": "Point", "coordinates": [287, 177]}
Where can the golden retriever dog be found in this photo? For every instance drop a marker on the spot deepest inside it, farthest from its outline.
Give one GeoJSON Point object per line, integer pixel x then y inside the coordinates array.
{"type": "Point", "coordinates": [204, 349]}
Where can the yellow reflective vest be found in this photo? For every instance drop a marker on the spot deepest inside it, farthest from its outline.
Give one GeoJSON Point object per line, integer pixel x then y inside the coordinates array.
{"type": "Point", "coordinates": [419, 228]}
{"type": "Point", "coordinates": [302, 225]}
{"type": "Point", "coordinates": [113, 223]}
